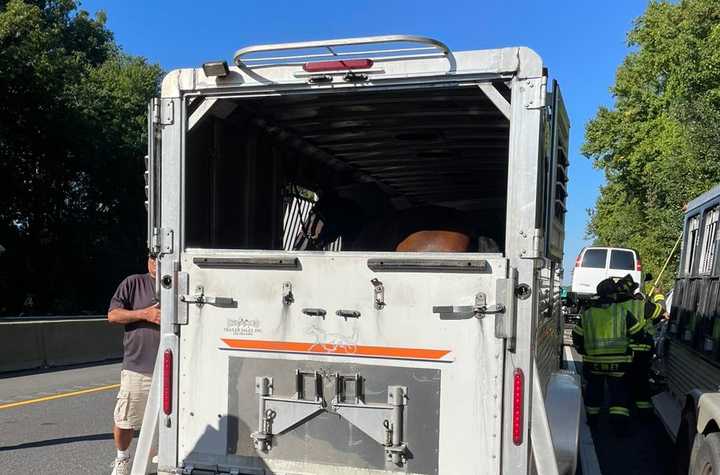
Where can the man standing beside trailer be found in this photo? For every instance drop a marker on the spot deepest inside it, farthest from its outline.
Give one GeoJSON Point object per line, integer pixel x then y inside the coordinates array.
{"type": "Point", "coordinates": [134, 305]}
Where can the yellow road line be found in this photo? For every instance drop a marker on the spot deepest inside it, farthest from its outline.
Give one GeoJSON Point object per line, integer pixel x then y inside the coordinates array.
{"type": "Point", "coordinates": [59, 396]}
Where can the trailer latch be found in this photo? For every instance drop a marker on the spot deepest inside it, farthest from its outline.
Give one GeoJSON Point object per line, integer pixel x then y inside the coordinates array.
{"type": "Point", "coordinates": [479, 310]}
{"type": "Point", "coordinates": [378, 293]}
{"type": "Point", "coordinates": [199, 298]}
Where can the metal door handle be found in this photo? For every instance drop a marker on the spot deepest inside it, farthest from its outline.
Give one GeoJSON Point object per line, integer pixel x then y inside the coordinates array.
{"type": "Point", "coordinates": [314, 312]}
{"type": "Point", "coordinates": [201, 299]}
{"type": "Point", "coordinates": [348, 314]}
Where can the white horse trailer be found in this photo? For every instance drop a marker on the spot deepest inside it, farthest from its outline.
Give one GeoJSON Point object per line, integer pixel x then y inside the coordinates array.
{"type": "Point", "coordinates": [343, 359]}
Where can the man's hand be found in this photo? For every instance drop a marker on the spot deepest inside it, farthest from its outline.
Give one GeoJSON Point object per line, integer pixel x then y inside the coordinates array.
{"type": "Point", "coordinates": [152, 314]}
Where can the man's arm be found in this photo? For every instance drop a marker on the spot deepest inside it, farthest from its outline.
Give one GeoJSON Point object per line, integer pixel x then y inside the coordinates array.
{"type": "Point", "coordinates": [123, 317]}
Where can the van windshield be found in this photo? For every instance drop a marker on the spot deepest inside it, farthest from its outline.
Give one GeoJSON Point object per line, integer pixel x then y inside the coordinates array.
{"type": "Point", "coordinates": [623, 260]}
{"type": "Point", "coordinates": [594, 258]}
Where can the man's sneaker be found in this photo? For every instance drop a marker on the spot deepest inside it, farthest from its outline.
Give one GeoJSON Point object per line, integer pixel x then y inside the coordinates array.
{"type": "Point", "coordinates": [121, 467]}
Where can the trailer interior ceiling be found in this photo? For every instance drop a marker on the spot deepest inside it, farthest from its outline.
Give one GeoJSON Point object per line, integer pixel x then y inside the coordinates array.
{"type": "Point", "coordinates": [255, 167]}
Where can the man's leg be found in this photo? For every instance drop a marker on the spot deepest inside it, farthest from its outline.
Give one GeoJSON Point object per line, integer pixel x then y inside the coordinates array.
{"type": "Point", "coordinates": [129, 411]}
{"type": "Point", "coordinates": [122, 437]}
{"type": "Point", "coordinates": [593, 394]}
{"type": "Point", "coordinates": [618, 402]}
{"type": "Point", "coordinates": [640, 384]}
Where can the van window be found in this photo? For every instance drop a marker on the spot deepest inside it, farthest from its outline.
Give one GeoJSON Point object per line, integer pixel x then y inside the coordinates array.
{"type": "Point", "coordinates": [594, 258]}
{"type": "Point", "coordinates": [622, 260]}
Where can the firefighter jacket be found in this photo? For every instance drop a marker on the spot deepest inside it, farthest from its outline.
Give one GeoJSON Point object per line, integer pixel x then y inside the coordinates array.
{"type": "Point", "coordinates": [606, 331]}
{"type": "Point", "coordinates": [650, 312]}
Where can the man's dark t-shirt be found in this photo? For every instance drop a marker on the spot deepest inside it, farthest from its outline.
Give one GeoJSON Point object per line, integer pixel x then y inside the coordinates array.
{"type": "Point", "coordinates": [141, 339]}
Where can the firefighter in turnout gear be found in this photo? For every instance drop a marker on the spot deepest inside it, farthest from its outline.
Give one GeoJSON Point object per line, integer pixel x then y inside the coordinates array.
{"type": "Point", "coordinates": [651, 307]}
{"type": "Point", "coordinates": [603, 337]}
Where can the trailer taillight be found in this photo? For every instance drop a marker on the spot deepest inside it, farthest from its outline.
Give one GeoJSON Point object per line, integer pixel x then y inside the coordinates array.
{"type": "Point", "coordinates": [517, 406]}
{"type": "Point", "coordinates": [577, 260]}
{"type": "Point", "coordinates": [638, 265]}
{"type": "Point", "coordinates": [340, 65]}
{"type": "Point", "coordinates": [167, 382]}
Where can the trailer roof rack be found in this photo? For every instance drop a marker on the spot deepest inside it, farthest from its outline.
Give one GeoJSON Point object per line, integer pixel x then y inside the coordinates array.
{"type": "Point", "coordinates": [395, 47]}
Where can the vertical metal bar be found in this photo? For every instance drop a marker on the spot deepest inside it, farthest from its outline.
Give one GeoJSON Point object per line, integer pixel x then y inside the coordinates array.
{"type": "Point", "coordinates": [170, 214]}
{"type": "Point", "coordinates": [524, 151]}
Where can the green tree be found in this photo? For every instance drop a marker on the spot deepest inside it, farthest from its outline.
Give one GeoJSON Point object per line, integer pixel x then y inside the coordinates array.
{"type": "Point", "coordinates": [659, 146]}
{"type": "Point", "coordinates": [72, 138]}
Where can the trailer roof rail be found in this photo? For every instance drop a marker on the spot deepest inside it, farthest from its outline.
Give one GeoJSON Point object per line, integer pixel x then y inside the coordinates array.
{"type": "Point", "coordinates": [396, 47]}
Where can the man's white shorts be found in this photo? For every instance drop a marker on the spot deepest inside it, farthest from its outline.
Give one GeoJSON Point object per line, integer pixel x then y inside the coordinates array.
{"type": "Point", "coordinates": [131, 399]}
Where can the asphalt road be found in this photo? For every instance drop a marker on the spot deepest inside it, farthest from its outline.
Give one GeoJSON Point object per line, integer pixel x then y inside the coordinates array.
{"type": "Point", "coordinates": [68, 435]}
{"type": "Point", "coordinates": [645, 450]}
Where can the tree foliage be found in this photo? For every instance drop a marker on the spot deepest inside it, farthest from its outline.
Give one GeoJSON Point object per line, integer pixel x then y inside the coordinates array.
{"type": "Point", "coordinates": [72, 138]}
{"type": "Point", "coordinates": [659, 146]}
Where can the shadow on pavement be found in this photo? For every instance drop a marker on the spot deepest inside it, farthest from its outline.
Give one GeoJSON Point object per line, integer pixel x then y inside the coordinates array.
{"type": "Point", "coordinates": [60, 441]}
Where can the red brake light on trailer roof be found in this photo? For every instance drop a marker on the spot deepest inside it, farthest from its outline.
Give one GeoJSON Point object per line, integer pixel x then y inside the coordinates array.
{"type": "Point", "coordinates": [517, 406]}
{"type": "Point", "coordinates": [167, 382]}
{"type": "Point", "coordinates": [340, 65]}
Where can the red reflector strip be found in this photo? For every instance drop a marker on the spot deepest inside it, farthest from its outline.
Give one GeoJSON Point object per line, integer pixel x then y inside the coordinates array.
{"type": "Point", "coordinates": [167, 382]}
{"type": "Point", "coordinates": [517, 407]}
{"type": "Point", "coordinates": [321, 66]}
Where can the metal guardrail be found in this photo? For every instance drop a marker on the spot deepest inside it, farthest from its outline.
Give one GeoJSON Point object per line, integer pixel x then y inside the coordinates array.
{"type": "Point", "coordinates": [45, 318]}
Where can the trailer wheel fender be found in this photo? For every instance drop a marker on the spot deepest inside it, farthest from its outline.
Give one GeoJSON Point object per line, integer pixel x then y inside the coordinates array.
{"type": "Point", "coordinates": [563, 405]}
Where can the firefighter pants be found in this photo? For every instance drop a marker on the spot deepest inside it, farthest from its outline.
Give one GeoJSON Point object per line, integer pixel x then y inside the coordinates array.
{"type": "Point", "coordinates": [618, 393]}
{"type": "Point", "coordinates": [640, 379]}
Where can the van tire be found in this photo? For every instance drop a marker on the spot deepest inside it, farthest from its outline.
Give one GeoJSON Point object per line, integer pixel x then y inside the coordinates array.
{"type": "Point", "coordinates": [706, 456]}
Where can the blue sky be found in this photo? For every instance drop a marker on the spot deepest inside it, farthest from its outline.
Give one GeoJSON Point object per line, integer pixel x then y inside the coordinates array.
{"type": "Point", "coordinates": [581, 42]}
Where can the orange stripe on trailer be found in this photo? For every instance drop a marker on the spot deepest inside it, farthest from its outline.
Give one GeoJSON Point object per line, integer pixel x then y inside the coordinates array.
{"type": "Point", "coordinates": [336, 350]}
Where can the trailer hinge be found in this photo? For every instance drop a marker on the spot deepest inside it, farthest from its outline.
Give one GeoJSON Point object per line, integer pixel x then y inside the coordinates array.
{"type": "Point", "coordinates": [165, 241]}
{"type": "Point", "coordinates": [155, 241]}
{"type": "Point", "coordinates": [534, 244]}
{"type": "Point", "coordinates": [156, 110]}
{"type": "Point", "coordinates": [163, 111]}
{"type": "Point", "coordinates": [536, 94]}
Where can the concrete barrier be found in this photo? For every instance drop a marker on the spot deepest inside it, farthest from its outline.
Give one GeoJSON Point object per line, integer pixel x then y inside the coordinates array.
{"type": "Point", "coordinates": [75, 342]}
{"type": "Point", "coordinates": [48, 343]}
{"type": "Point", "coordinates": [21, 347]}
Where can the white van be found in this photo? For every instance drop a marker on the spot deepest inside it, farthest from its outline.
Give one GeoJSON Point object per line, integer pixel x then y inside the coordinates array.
{"type": "Point", "coordinates": [596, 263]}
